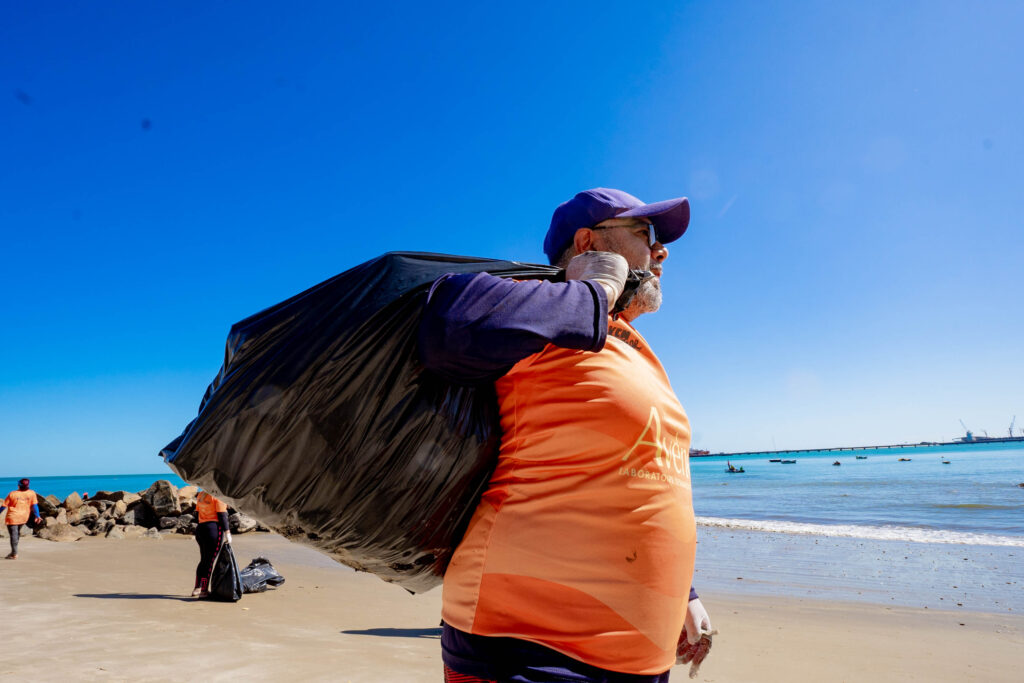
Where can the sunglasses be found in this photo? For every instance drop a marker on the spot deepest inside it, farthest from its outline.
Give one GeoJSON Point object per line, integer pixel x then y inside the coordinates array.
{"type": "Point", "coordinates": [652, 237]}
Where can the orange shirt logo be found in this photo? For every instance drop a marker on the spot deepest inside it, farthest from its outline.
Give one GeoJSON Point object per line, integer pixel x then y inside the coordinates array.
{"type": "Point", "coordinates": [669, 454]}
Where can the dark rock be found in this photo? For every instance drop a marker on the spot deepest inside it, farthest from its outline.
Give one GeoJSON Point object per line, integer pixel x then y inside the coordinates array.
{"type": "Point", "coordinates": [168, 522]}
{"type": "Point", "coordinates": [114, 496]}
{"type": "Point", "coordinates": [139, 514]}
{"type": "Point", "coordinates": [241, 523]}
{"type": "Point", "coordinates": [100, 505]}
{"type": "Point", "coordinates": [185, 520]}
{"type": "Point", "coordinates": [48, 506]}
{"type": "Point", "coordinates": [85, 515]}
{"type": "Point", "coordinates": [102, 526]}
{"type": "Point", "coordinates": [162, 498]}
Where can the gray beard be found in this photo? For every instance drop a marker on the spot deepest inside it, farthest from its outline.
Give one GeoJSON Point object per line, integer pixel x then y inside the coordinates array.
{"type": "Point", "coordinates": [646, 300]}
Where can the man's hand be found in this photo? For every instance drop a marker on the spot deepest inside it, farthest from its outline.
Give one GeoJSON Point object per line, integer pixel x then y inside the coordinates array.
{"type": "Point", "coordinates": [695, 640]}
{"type": "Point", "coordinates": [37, 521]}
{"type": "Point", "coordinates": [606, 268]}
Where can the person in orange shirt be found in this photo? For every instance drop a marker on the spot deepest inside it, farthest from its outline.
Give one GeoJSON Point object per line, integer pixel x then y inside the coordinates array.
{"type": "Point", "coordinates": [19, 504]}
{"type": "Point", "coordinates": [212, 530]}
{"type": "Point", "coordinates": [578, 561]}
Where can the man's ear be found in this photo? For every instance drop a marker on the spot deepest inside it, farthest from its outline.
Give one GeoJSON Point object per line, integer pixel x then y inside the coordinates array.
{"type": "Point", "coordinates": [583, 240]}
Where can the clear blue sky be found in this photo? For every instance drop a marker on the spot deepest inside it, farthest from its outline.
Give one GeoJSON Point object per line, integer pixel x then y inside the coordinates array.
{"type": "Point", "coordinates": [852, 273]}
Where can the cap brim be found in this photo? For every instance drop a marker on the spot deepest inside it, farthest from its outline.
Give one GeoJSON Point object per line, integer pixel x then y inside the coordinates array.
{"type": "Point", "coordinates": [670, 217]}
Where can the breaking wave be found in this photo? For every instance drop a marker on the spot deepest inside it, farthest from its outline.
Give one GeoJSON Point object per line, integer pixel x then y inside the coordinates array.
{"type": "Point", "coordinates": [879, 533]}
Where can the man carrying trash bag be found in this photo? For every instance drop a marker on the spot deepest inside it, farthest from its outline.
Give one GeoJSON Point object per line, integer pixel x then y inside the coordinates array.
{"type": "Point", "coordinates": [577, 562]}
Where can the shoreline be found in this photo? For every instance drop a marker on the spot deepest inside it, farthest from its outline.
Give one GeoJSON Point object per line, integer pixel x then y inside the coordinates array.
{"type": "Point", "coordinates": [116, 610]}
{"type": "Point", "coordinates": [957, 577]}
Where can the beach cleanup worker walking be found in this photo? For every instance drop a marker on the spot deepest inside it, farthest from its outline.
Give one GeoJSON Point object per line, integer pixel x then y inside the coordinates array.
{"type": "Point", "coordinates": [212, 530]}
{"type": "Point", "coordinates": [20, 505]}
{"type": "Point", "coordinates": [577, 563]}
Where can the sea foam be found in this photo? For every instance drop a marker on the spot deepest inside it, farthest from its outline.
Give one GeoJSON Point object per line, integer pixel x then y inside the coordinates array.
{"type": "Point", "coordinates": [881, 533]}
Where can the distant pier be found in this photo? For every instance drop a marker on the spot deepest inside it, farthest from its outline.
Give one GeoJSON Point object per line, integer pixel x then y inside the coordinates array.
{"type": "Point", "coordinates": [849, 449]}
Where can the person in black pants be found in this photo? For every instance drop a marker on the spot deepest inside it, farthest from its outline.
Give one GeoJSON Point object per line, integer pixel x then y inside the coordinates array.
{"type": "Point", "coordinates": [211, 531]}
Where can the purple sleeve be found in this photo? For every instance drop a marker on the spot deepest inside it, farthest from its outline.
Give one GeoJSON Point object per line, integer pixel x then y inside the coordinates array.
{"type": "Point", "coordinates": [693, 593]}
{"type": "Point", "coordinates": [476, 326]}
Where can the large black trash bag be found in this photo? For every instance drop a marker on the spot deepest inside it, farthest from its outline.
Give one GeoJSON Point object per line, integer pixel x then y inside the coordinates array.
{"type": "Point", "coordinates": [323, 425]}
{"type": "Point", "coordinates": [225, 582]}
{"type": "Point", "coordinates": [259, 575]}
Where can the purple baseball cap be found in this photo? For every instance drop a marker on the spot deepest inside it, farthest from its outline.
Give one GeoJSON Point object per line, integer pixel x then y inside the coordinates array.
{"type": "Point", "coordinates": [590, 207]}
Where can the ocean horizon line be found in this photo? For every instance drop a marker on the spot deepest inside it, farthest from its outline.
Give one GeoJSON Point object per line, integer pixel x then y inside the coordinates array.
{"type": "Point", "coordinates": [87, 476]}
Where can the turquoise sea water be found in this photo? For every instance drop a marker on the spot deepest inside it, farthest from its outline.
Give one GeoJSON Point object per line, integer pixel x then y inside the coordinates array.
{"type": "Point", "coordinates": [916, 533]}
{"type": "Point", "coordinates": [975, 499]}
{"type": "Point", "coordinates": [63, 486]}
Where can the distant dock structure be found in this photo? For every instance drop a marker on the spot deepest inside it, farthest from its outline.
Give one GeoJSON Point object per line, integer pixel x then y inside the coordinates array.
{"type": "Point", "coordinates": [969, 440]}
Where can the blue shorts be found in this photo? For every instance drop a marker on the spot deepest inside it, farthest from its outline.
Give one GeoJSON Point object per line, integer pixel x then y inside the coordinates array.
{"type": "Point", "coordinates": [519, 661]}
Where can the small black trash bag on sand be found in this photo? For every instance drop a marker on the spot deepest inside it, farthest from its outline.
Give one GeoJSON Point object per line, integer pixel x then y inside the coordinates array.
{"type": "Point", "coordinates": [225, 582]}
{"type": "Point", "coordinates": [260, 575]}
{"type": "Point", "coordinates": [323, 425]}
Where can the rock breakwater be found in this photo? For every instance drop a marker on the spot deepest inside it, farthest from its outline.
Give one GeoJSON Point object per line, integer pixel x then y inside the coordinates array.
{"type": "Point", "coordinates": [161, 509]}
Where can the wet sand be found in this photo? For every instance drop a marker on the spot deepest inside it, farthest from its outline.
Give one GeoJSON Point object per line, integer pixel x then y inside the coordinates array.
{"type": "Point", "coordinates": [107, 610]}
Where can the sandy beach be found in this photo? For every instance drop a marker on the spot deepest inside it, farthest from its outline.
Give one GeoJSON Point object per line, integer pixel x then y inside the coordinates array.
{"type": "Point", "coordinates": [116, 610]}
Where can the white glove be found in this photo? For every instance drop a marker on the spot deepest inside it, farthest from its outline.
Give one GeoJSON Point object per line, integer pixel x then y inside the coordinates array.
{"type": "Point", "coordinates": [695, 640]}
{"type": "Point", "coordinates": [697, 621]}
{"type": "Point", "coordinates": [606, 268]}
{"type": "Point", "coordinates": [227, 537]}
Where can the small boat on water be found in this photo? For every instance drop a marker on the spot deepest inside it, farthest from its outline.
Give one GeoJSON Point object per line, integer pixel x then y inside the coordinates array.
{"type": "Point", "coordinates": [861, 457]}
{"type": "Point", "coordinates": [732, 469]}
{"type": "Point", "coordinates": [945, 462]}
{"type": "Point", "coordinates": [904, 460]}
{"type": "Point", "coordinates": [787, 462]}
{"type": "Point", "coordinates": [775, 460]}
{"type": "Point", "coordinates": [836, 463]}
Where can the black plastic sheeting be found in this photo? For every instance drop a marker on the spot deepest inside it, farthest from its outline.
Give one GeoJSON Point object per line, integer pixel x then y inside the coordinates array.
{"type": "Point", "coordinates": [259, 575]}
{"type": "Point", "coordinates": [323, 425]}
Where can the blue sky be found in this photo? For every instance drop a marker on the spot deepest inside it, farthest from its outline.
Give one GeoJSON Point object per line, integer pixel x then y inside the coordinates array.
{"type": "Point", "coordinates": [852, 274]}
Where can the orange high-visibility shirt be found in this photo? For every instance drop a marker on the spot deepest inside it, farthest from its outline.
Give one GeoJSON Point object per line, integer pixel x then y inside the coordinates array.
{"type": "Point", "coordinates": [584, 541]}
{"type": "Point", "coordinates": [207, 507]}
{"type": "Point", "coordinates": [19, 506]}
